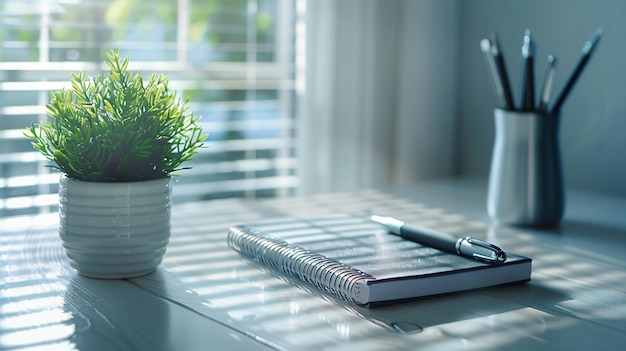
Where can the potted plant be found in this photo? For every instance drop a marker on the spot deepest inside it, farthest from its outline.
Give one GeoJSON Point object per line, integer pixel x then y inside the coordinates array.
{"type": "Point", "coordinates": [118, 141]}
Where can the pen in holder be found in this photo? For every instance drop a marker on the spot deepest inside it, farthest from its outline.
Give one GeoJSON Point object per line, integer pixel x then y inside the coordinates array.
{"type": "Point", "coordinates": [525, 180]}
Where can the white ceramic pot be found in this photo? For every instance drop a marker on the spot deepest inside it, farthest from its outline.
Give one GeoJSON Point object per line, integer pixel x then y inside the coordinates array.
{"type": "Point", "coordinates": [114, 230]}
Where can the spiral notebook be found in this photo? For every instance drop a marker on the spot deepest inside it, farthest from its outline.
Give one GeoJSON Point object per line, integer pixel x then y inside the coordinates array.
{"type": "Point", "coordinates": [350, 257]}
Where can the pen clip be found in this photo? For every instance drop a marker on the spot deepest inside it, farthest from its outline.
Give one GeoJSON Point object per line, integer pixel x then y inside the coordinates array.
{"type": "Point", "coordinates": [481, 250]}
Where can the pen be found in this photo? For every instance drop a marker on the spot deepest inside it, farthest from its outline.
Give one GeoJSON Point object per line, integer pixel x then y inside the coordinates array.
{"type": "Point", "coordinates": [485, 46]}
{"type": "Point", "coordinates": [467, 246]}
{"type": "Point", "coordinates": [586, 53]}
{"type": "Point", "coordinates": [502, 72]}
{"type": "Point", "coordinates": [547, 85]}
{"type": "Point", "coordinates": [528, 81]}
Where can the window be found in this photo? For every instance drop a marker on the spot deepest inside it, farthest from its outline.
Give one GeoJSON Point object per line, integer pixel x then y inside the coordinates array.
{"type": "Point", "coordinates": [233, 59]}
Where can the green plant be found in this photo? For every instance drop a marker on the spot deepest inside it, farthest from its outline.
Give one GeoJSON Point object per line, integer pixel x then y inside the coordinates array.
{"type": "Point", "coordinates": [114, 127]}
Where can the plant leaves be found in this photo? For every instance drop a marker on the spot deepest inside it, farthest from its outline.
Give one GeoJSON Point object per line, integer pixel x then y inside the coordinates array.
{"type": "Point", "coordinates": [115, 127]}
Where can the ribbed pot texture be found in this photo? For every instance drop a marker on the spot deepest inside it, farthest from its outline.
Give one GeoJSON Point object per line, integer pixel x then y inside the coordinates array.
{"type": "Point", "coordinates": [114, 230]}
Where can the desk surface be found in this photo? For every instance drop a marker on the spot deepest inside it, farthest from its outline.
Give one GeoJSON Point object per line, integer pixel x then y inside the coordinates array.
{"type": "Point", "coordinates": [204, 296]}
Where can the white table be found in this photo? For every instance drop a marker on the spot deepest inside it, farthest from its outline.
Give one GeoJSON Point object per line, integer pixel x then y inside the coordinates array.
{"type": "Point", "coordinates": [204, 296]}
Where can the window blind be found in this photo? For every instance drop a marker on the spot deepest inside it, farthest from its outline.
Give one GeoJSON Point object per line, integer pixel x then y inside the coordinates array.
{"type": "Point", "coordinates": [233, 59]}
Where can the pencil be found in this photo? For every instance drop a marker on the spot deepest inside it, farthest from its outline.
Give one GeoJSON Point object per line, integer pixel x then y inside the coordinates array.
{"type": "Point", "coordinates": [502, 72]}
{"type": "Point", "coordinates": [547, 85]}
{"type": "Point", "coordinates": [528, 80]}
{"type": "Point", "coordinates": [485, 46]}
{"type": "Point", "coordinates": [584, 58]}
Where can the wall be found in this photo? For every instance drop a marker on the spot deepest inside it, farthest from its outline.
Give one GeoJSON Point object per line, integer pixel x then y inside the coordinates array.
{"type": "Point", "coordinates": [427, 97]}
{"type": "Point", "coordinates": [594, 116]}
{"type": "Point", "coordinates": [379, 104]}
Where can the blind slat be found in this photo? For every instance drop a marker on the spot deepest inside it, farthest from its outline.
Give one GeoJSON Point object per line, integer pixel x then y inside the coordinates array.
{"type": "Point", "coordinates": [234, 69]}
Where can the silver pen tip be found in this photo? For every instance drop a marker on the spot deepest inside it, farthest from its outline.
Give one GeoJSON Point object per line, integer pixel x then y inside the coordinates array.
{"type": "Point", "coordinates": [593, 41]}
{"type": "Point", "coordinates": [393, 225]}
{"type": "Point", "coordinates": [485, 45]}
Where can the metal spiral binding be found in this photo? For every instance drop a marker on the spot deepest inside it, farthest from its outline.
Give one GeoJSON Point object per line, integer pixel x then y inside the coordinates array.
{"type": "Point", "coordinates": [326, 274]}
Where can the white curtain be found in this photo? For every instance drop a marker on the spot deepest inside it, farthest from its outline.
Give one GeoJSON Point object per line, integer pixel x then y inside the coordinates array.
{"type": "Point", "coordinates": [379, 106]}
